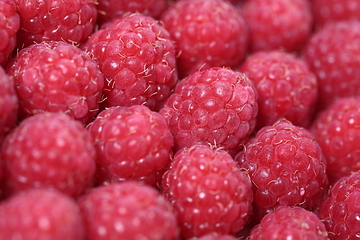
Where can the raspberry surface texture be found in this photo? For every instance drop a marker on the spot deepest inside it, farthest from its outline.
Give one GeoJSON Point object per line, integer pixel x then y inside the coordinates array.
{"type": "Point", "coordinates": [286, 166]}
{"type": "Point", "coordinates": [216, 106]}
{"type": "Point", "coordinates": [290, 223]}
{"type": "Point", "coordinates": [208, 191]}
{"type": "Point", "coordinates": [207, 33]}
{"type": "Point", "coordinates": [56, 77]}
{"type": "Point", "coordinates": [277, 24]}
{"type": "Point", "coordinates": [340, 211]}
{"type": "Point", "coordinates": [41, 214]}
{"type": "Point", "coordinates": [48, 150]}
{"type": "Point", "coordinates": [131, 142]}
{"type": "Point", "coordinates": [332, 55]}
{"type": "Point", "coordinates": [9, 26]}
{"type": "Point", "coordinates": [286, 87]}
{"type": "Point", "coordinates": [337, 130]}
{"type": "Point", "coordinates": [67, 20]}
{"type": "Point", "coordinates": [137, 57]}
{"type": "Point", "coordinates": [128, 210]}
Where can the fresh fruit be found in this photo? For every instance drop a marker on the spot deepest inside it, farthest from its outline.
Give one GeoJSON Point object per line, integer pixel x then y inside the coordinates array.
{"type": "Point", "coordinates": [56, 77]}
{"type": "Point", "coordinates": [290, 223]}
{"type": "Point", "coordinates": [217, 106]}
{"type": "Point", "coordinates": [207, 33]}
{"type": "Point", "coordinates": [39, 214]}
{"type": "Point", "coordinates": [128, 210]}
{"type": "Point", "coordinates": [48, 150]}
{"type": "Point", "coordinates": [132, 143]}
{"type": "Point", "coordinates": [286, 87]}
{"type": "Point", "coordinates": [286, 166]}
{"type": "Point", "coordinates": [209, 192]}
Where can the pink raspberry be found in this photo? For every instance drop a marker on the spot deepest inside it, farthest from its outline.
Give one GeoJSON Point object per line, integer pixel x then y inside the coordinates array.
{"type": "Point", "coordinates": [286, 87]}
{"type": "Point", "coordinates": [128, 210]}
{"type": "Point", "coordinates": [132, 143]}
{"type": "Point", "coordinates": [290, 223]}
{"type": "Point", "coordinates": [56, 76]}
{"type": "Point", "coordinates": [9, 25]}
{"type": "Point", "coordinates": [277, 24]}
{"type": "Point", "coordinates": [66, 20]}
{"type": "Point", "coordinates": [48, 150]}
{"type": "Point", "coordinates": [216, 106]}
{"type": "Point", "coordinates": [41, 214]}
{"type": "Point", "coordinates": [340, 211]}
{"type": "Point", "coordinates": [337, 130]}
{"type": "Point", "coordinates": [286, 166]}
{"type": "Point", "coordinates": [207, 33]}
{"type": "Point", "coordinates": [137, 57]}
{"type": "Point", "coordinates": [332, 55]}
{"type": "Point", "coordinates": [208, 191]}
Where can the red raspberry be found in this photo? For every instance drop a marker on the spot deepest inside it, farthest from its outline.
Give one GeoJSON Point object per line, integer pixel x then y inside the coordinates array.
{"type": "Point", "coordinates": [337, 130]}
{"type": "Point", "coordinates": [286, 87]}
{"type": "Point", "coordinates": [41, 214]}
{"type": "Point", "coordinates": [207, 33]}
{"type": "Point", "coordinates": [137, 57]}
{"type": "Point", "coordinates": [332, 55]}
{"type": "Point", "coordinates": [217, 237]}
{"type": "Point", "coordinates": [48, 150]}
{"type": "Point", "coordinates": [216, 106]}
{"type": "Point", "coordinates": [56, 76]}
{"type": "Point", "coordinates": [9, 25]}
{"type": "Point", "coordinates": [66, 20]}
{"type": "Point", "coordinates": [128, 210]}
{"type": "Point", "coordinates": [290, 223]}
{"type": "Point", "coordinates": [340, 211]}
{"type": "Point", "coordinates": [132, 143]}
{"type": "Point", "coordinates": [286, 166]}
{"type": "Point", "coordinates": [277, 24]}
{"type": "Point", "coordinates": [208, 191]}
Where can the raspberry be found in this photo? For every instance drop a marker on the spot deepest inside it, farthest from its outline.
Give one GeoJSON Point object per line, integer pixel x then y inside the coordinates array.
{"type": "Point", "coordinates": [9, 25]}
{"type": "Point", "coordinates": [216, 106]}
{"type": "Point", "coordinates": [332, 55]}
{"type": "Point", "coordinates": [48, 150]}
{"type": "Point", "coordinates": [337, 130]}
{"type": "Point", "coordinates": [286, 166]}
{"type": "Point", "coordinates": [66, 20]}
{"type": "Point", "coordinates": [41, 214]}
{"type": "Point", "coordinates": [340, 211]}
{"type": "Point", "coordinates": [286, 87]}
{"type": "Point", "coordinates": [277, 24]}
{"type": "Point", "coordinates": [56, 76]}
{"type": "Point", "coordinates": [290, 223]}
{"type": "Point", "coordinates": [137, 57]}
{"type": "Point", "coordinates": [216, 237]}
{"type": "Point", "coordinates": [208, 191]}
{"type": "Point", "coordinates": [128, 210]}
{"type": "Point", "coordinates": [207, 33]}
{"type": "Point", "coordinates": [132, 143]}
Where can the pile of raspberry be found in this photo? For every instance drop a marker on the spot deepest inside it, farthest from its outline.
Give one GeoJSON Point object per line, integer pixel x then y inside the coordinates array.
{"type": "Point", "coordinates": [179, 119]}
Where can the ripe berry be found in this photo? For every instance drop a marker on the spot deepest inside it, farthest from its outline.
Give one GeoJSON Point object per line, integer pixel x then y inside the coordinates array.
{"type": "Point", "coordinates": [332, 55]}
{"type": "Point", "coordinates": [207, 33]}
{"type": "Point", "coordinates": [131, 142]}
{"type": "Point", "coordinates": [48, 150]}
{"type": "Point", "coordinates": [290, 223]}
{"type": "Point", "coordinates": [41, 214]}
{"type": "Point", "coordinates": [217, 106]}
{"type": "Point", "coordinates": [216, 237]}
{"type": "Point", "coordinates": [208, 191]}
{"type": "Point", "coordinates": [56, 76]}
{"type": "Point", "coordinates": [66, 20]}
{"type": "Point", "coordinates": [277, 24]}
{"type": "Point", "coordinates": [337, 130]}
{"type": "Point", "coordinates": [286, 87]}
{"type": "Point", "coordinates": [286, 166]}
{"type": "Point", "coordinates": [127, 210]}
{"type": "Point", "coordinates": [137, 57]}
